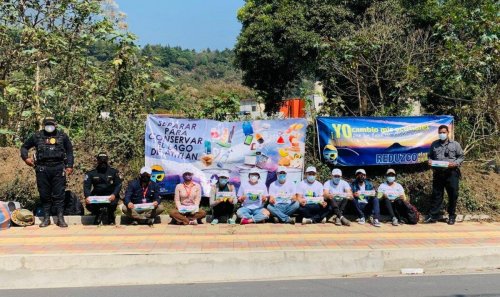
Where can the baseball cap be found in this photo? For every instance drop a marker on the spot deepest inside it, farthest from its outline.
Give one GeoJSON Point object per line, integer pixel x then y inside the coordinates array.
{"type": "Point", "coordinates": [281, 169]}
{"type": "Point", "coordinates": [311, 169]}
{"type": "Point", "coordinates": [390, 170]}
{"type": "Point", "coordinates": [254, 171]}
{"type": "Point", "coordinates": [360, 171]}
{"type": "Point", "coordinates": [337, 171]}
{"type": "Point", "coordinates": [146, 169]}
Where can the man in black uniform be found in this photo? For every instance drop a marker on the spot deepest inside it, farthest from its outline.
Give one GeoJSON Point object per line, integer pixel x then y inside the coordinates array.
{"type": "Point", "coordinates": [102, 181]}
{"type": "Point", "coordinates": [449, 151]}
{"type": "Point", "coordinates": [53, 162]}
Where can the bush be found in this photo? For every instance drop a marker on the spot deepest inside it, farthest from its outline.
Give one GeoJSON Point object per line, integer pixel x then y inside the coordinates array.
{"type": "Point", "coordinates": [21, 191]}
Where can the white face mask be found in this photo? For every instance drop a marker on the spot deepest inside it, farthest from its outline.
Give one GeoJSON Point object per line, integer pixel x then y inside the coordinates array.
{"type": "Point", "coordinates": [443, 136]}
{"type": "Point", "coordinates": [50, 128]}
{"type": "Point", "coordinates": [254, 178]}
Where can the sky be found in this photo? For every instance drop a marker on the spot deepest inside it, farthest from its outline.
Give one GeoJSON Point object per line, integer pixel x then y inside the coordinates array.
{"type": "Point", "coordinates": [191, 24]}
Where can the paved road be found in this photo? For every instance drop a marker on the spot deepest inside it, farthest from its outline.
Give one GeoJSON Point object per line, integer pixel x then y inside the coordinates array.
{"type": "Point", "coordinates": [473, 285]}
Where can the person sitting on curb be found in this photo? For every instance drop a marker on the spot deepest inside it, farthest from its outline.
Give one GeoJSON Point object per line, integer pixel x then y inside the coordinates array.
{"type": "Point", "coordinates": [142, 199]}
{"type": "Point", "coordinates": [283, 198]}
{"type": "Point", "coordinates": [338, 192]}
{"type": "Point", "coordinates": [187, 202]}
{"type": "Point", "coordinates": [222, 200]}
{"type": "Point", "coordinates": [313, 207]}
{"type": "Point", "coordinates": [392, 195]}
{"type": "Point", "coordinates": [365, 199]}
{"type": "Point", "coordinates": [252, 195]}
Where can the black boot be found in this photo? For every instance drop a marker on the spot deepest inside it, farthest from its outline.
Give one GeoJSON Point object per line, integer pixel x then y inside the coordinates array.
{"type": "Point", "coordinates": [46, 217]}
{"type": "Point", "coordinates": [60, 220]}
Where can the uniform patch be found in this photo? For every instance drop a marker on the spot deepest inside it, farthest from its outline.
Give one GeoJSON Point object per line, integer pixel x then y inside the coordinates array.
{"type": "Point", "coordinates": [52, 141]}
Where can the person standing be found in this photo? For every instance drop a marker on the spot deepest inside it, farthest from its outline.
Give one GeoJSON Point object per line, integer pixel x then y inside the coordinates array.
{"type": "Point", "coordinates": [447, 150]}
{"type": "Point", "coordinates": [53, 162]}
{"type": "Point", "coordinates": [104, 180]}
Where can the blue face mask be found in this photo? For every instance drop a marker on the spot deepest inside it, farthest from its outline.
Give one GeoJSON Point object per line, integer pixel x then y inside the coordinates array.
{"type": "Point", "coordinates": [336, 180]}
{"type": "Point", "coordinates": [282, 178]}
{"type": "Point", "coordinates": [443, 136]}
{"type": "Point", "coordinates": [391, 179]}
{"type": "Point", "coordinates": [311, 178]}
{"type": "Point", "coordinates": [223, 181]}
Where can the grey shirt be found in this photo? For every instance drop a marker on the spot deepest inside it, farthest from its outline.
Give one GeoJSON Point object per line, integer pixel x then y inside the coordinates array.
{"type": "Point", "coordinates": [448, 150]}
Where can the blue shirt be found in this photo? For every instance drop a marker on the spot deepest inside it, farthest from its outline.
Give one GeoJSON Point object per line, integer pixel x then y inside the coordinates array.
{"type": "Point", "coordinates": [135, 193]}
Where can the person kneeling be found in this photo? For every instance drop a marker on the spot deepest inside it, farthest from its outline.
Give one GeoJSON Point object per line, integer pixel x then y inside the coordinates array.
{"type": "Point", "coordinates": [252, 196]}
{"type": "Point", "coordinates": [187, 201]}
{"type": "Point", "coordinates": [392, 195]}
{"type": "Point", "coordinates": [142, 199]}
{"type": "Point", "coordinates": [283, 198]}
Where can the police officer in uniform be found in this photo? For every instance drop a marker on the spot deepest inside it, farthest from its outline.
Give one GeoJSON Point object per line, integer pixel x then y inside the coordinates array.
{"type": "Point", "coordinates": [450, 151]}
{"type": "Point", "coordinates": [102, 181]}
{"type": "Point", "coordinates": [53, 162]}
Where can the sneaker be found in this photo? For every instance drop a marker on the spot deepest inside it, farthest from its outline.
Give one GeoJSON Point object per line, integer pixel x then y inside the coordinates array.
{"type": "Point", "coordinates": [306, 221]}
{"type": "Point", "coordinates": [134, 223]}
{"type": "Point", "coordinates": [151, 222]}
{"type": "Point", "coordinates": [245, 221]}
{"type": "Point", "coordinates": [361, 221]}
{"type": "Point", "coordinates": [276, 220]}
{"type": "Point", "coordinates": [291, 221]}
{"type": "Point", "coordinates": [338, 222]}
{"type": "Point", "coordinates": [214, 222]}
{"type": "Point", "coordinates": [193, 222]}
{"type": "Point", "coordinates": [323, 221]}
{"type": "Point", "coordinates": [429, 219]}
{"type": "Point", "coordinates": [345, 221]}
{"type": "Point", "coordinates": [376, 223]}
{"type": "Point", "coordinates": [395, 221]}
{"type": "Point", "coordinates": [231, 221]}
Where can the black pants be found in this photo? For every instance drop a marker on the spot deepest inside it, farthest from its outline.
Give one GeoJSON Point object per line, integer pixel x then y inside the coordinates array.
{"type": "Point", "coordinates": [444, 179]}
{"type": "Point", "coordinates": [337, 207]}
{"type": "Point", "coordinates": [223, 209]}
{"type": "Point", "coordinates": [51, 183]}
{"type": "Point", "coordinates": [316, 212]}
{"type": "Point", "coordinates": [109, 208]}
{"type": "Point", "coordinates": [392, 206]}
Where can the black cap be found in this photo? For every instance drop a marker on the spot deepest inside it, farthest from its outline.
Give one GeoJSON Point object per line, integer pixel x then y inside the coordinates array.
{"type": "Point", "coordinates": [49, 120]}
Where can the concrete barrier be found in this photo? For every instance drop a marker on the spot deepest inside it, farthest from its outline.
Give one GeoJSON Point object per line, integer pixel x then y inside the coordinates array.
{"type": "Point", "coordinates": [44, 271]}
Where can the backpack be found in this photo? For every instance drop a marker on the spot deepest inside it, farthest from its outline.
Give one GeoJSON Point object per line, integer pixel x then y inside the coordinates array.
{"type": "Point", "coordinates": [4, 216]}
{"type": "Point", "coordinates": [72, 204]}
{"type": "Point", "coordinates": [409, 213]}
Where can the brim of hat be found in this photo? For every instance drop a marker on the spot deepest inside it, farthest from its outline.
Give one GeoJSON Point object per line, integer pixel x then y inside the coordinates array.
{"type": "Point", "coordinates": [22, 223]}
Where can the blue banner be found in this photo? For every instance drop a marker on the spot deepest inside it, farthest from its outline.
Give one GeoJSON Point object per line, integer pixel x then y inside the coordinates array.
{"type": "Point", "coordinates": [355, 141]}
{"type": "Point", "coordinates": [209, 148]}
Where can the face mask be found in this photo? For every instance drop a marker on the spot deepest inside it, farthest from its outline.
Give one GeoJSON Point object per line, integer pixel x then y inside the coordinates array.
{"type": "Point", "coordinates": [361, 179]}
{"type": "Point", "coordinates": [311, 178]}
{"type": "Point", "coordinates": [282, 178]}
{"type": "Point", "coordinates": [336, 180]}
{"type": "Point", "coordinates": [223, 182]}
{"type": "Point", "coordinates": [145, 178]}
{"type": "Point", "coordinates": [102, 166]}
{"type": "Point", "coordinates": [443, 136]}
{"type": "Point", "coordinates": [391, 179]}
{"type": "Point", "coordinates": [50, 128]}
{"type": "Point", "coordinates": [254, 178]}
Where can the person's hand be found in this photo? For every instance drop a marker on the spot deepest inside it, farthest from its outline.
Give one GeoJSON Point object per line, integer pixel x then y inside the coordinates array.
{"type": "Point", "coordinates": [385, 196]}
{"type": "Point", "coordinates": [324, 204]}
{"type": "Point", "coordinates": [264, 198]}
{"type": "Point", "coordinates": [356, 194]}
{"type": "Point", "coordinates": [155, 204]}
{"type": "Point", "coordinates": [429, 162]}
{"type": "Point", "coordinates": [230, 200]}
{"type": "Point", "coordinates": [272, 200]}
{"type": "Point", "coordinates": [452, 165]}
{"type": "Point", "coordinates": [69, 171]}
{"type": "Point", "coordinates": [302, 202]}
{"type": "Point", "coordinates": [87, 200]}
{"type": "Point", "coordinates": [112, 197]}
{"type": "Point", "coordinates": [130, 205]}
{"type": "Point", "coordinates": [29, 162]}
{"type": "Point", "coordinates": [241, 199]}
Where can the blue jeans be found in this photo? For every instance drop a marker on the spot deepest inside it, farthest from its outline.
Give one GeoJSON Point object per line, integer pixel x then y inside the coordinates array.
{"type": "Point", "coordinates": [366, 209]}
{"type": "Point", "coordinates": [283, 211]}
{"type": "Point", "coordinates": [257, 215]}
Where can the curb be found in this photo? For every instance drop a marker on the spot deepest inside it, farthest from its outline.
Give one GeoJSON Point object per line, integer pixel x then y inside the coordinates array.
{"type": "Point", "coordinates": [85, 270]}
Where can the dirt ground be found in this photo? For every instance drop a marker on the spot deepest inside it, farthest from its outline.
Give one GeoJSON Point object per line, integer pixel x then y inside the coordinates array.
{"type": "Point", "coordinates": [483, 185]}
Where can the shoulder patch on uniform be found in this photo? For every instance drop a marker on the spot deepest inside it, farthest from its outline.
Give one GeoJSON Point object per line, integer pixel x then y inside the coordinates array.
{"type": "Point", "coordinates": [86, 177]}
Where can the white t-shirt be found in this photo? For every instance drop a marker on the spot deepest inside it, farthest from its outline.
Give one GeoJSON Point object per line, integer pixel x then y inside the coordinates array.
{"type": "Point", "coordinates": [393, 191]}
{"type": "Point", "coordinates": [253, 193]}
{"type": "Point", "coordinates": [282, 192]}
{"type": "Point", "coordinates": [341, 188]}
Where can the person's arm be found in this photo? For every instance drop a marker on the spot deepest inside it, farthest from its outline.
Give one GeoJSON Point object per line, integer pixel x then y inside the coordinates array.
{"type": "Point", "coordinates": [27, 145]}
{"type": "Point", "coordinates": [460, 154]}
{"type": "Point", "coordinates": [241, 194]}
{"type": "Point", "coordinates": [197, 199]}
{"type": "Point", "coordinates": [213, 195]}
{"type": "Point", "coordinates": [128, 194]}
{"type": "Point", "coordinates": [348, 191]}
{"type": "Point", "coordinates": [68, 146]}
{"type": "Point", "coordinates": [402, 191]}
{"type": "Point", "coordinates": [272, 194]}
{"type": "Point", "coordinates": [87, 185]}
{"type": "Point", "coordinates": [326, 193]}
{"type": "Point", "coordinates": [117, 181]}
{"type": "Point", "coordinates": [177, 197]}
